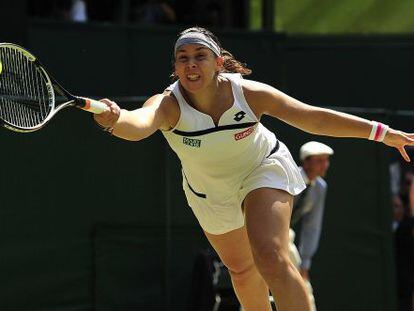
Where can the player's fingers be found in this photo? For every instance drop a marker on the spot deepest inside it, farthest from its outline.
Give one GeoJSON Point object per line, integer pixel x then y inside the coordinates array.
{"type": "Point", "coordinates": [108, 102]}
{"type": "Point", "coordinates": [404, 154]}
{"type": "Point", "coordinates": [410, 136]}
{"type": "Point", "coordinates": [113, 107]}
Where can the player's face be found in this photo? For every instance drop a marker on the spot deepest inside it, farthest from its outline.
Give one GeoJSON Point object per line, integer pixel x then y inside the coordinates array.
{"type": "Point", "coordinates": [196, 66]}
{"type": "Point", "coordinates": [317, 165]}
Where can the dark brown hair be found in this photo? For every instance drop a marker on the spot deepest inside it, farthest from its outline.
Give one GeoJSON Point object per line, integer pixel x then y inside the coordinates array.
{"type": "Point", "coordinates": [231, 64]}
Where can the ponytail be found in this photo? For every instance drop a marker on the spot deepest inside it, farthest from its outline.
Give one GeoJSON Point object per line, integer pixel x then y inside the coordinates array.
{"type": "Point", "coordinates": [232, 65]}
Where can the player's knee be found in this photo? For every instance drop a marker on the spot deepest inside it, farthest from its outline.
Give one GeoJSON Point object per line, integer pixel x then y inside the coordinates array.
{"type": "Point", "coordinates": [242, 273]}
{"type": "Point", "coordinates": [273, 261]}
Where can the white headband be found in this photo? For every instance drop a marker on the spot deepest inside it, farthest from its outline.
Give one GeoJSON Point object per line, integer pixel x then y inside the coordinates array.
{"type": "Point", "coordinates": [197, 38]}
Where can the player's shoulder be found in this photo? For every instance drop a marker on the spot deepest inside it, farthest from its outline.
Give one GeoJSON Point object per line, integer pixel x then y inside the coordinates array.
{"type": "Point", "coordinates": [255, 87]}
{"type": "Point", "coordinates": [169, 102]}
{"type": "Point", "coordinates": [258, 95]}
{"type": "Point", "coordinates": [164, 101]}
{"type": "Point", "coordinates": [166, 107]}
{"type": "Point", "coordinates": [257, 92]}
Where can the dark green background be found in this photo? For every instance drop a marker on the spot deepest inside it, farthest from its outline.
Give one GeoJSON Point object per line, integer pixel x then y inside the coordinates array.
{"type": "Point", "coordinates": [91, 222]}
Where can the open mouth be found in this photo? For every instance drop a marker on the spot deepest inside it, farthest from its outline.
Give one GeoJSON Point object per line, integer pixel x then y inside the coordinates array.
{"type": "Point", "coordinates": [193, 77]}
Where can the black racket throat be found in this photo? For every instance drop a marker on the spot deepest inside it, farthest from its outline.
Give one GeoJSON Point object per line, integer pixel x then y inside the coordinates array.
{"type": "Point", "coordinates": [62, 96]}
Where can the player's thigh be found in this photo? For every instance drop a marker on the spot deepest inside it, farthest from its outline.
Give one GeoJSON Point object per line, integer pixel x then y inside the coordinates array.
{"type": "Point", "coordinates": [268, 212]}
{"type": "Point", "coordinates": [233, 248]}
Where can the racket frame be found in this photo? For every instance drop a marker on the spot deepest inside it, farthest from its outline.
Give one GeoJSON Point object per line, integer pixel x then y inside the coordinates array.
{"type": "Point", "coordinates": [51, 85]}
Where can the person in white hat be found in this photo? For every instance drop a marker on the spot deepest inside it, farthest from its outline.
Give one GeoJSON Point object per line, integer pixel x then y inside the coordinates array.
{"type": "Point", "coordinates": [308, 207]}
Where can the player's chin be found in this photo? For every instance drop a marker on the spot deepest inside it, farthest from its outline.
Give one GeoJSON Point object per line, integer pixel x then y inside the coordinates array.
{"type": "Point", "coordinates": [193, 87]}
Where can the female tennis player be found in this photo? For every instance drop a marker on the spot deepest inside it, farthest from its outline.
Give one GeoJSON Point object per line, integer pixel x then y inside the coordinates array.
{"type": "Point", "coordinates": [238, 178]}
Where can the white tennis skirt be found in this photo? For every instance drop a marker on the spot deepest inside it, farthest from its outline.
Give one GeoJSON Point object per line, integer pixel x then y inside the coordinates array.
{"type": "Point", "coordinates": [220, 213]}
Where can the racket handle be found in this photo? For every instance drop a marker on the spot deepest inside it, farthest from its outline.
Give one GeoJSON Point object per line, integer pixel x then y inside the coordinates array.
{"type": "Point", "coordinates": [91, 105]}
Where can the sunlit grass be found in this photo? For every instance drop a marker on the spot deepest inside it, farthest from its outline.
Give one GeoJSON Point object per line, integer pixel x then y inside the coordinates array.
{"type": "Point", "coordinates": [339, 16]}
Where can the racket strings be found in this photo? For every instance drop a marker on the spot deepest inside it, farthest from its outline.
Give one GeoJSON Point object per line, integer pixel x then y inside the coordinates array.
{"type": "Point", "coordinates": [24, 96]}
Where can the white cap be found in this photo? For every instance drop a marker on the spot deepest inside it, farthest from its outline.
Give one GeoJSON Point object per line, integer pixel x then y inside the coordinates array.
{"type": "Point", "coordinates": [314, 148]}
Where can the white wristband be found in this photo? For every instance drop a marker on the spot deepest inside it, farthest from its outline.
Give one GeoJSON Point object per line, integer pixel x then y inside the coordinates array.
{"type": "Point", "coordinates": [373, 130]}
{"type": "Point", "coordinates": [378, 131]}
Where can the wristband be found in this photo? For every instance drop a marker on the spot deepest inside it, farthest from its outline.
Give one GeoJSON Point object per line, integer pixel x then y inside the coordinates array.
{"type": "Point", "coordinates": [378, 131]}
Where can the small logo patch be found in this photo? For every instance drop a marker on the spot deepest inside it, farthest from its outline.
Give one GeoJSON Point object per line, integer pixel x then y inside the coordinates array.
{"type": "Point", "coordinates": [244, 134]}
{"type": "Point", "coordinates": [239, 116]}
{"type": "Point", "coordinates": [192, 142]}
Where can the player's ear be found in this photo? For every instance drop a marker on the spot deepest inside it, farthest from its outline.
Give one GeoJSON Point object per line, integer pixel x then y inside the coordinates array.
{"type": "Point", "coordinates": [219, 62]}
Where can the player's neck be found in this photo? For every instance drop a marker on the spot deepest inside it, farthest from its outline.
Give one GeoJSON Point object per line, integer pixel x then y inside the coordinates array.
{"type": "Point", "coordinates": [208, 99]}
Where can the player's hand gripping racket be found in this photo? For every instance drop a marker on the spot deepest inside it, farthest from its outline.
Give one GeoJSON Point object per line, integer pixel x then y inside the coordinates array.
{"type": "Point", "coordinates": [29, 96]}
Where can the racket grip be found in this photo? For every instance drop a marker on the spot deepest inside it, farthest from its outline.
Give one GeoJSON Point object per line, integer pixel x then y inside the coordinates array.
{"type": "Point", "coordinates": [92, 105]}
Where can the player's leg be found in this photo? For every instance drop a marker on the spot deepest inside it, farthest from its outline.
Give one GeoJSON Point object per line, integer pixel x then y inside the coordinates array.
{"type": "Point", "coordinates": [268, 213]}
{"type": "Point", "coordinates": [234, 250]}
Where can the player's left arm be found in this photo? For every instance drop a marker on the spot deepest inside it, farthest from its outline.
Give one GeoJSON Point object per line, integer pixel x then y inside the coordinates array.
{"type": "Point", "coordinates": [264, 99]}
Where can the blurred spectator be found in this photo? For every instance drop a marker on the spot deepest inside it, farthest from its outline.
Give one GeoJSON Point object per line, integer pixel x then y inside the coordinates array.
{"type": "Point", "coordinates": [401, 173]}
{"type": "Point", "coordinates": [402, 200]}
{"type": "Point", "coordinates": [68, 10]}
{"type": "Point", "coordinates": [404, 248]}
{"type": "Point", "coordinates": [78, 11]}
{"type": "Point", "coordinates": [397, 170]}
{"type": "Point", "coordinates": [152, 12]}
{"type": "Point", "coordinates": [398, 212]}
{"type": "Point", "coordinates": [208, 13]}
{"type": "Point", "coordinates": [308, 208]}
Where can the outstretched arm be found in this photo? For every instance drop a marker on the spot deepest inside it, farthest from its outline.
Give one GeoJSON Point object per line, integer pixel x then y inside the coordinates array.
{"type": "Point", "coordinates": [158, 112]}
{"type": "Point", "coordinates": [265, 99]}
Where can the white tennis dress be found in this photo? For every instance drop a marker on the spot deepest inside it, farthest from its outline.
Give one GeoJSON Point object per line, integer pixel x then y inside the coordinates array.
{"type": "Point", "coordinates": [222, 164]}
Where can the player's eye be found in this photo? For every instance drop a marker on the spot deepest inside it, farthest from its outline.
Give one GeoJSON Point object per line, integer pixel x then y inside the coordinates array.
{"type": "Point", "coordinates": [182, 58]}
{"type": "Point", "coordinates": [201, 56]}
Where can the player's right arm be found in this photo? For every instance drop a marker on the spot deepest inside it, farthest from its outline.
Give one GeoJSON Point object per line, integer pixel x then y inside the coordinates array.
{"type": "Point", "coordinates": [160, 112]}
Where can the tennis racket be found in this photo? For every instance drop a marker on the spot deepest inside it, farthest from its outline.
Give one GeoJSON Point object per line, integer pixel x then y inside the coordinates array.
{"type": "Point", "coordinates": [29, 96]}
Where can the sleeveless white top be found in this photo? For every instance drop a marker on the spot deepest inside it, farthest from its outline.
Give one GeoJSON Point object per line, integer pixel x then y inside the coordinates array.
{"type": "Point", "coordinates": [217, 160]}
